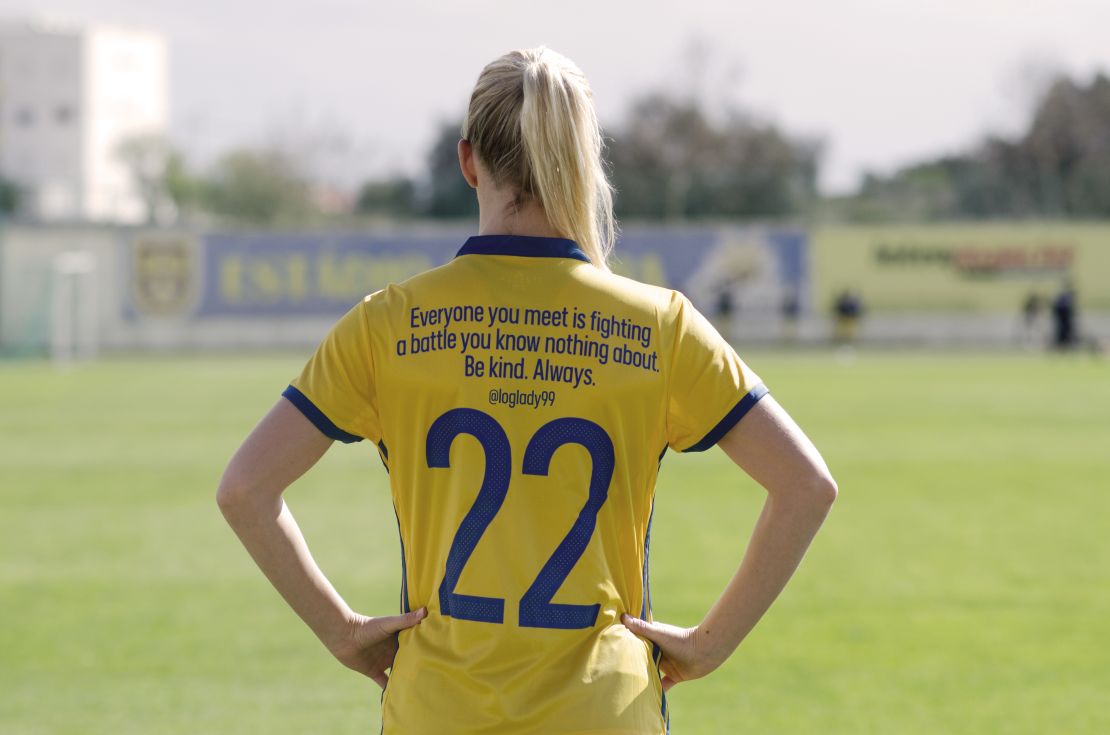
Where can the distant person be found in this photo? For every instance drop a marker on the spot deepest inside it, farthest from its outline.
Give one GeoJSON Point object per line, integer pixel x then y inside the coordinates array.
{"type": "Point", "coordinates": [725, 302]}
{"type": "Point", "coordinates": [1031, 309]}
{"type": "Point", "coordinates": [847, 310]}
{"type": "Point", "coordinates": [521, 397]}
{"type": "Point", "coordinates": [1064, 336]}
{"type": "Point", "coordinates": [791, 312]}
{"type": "Point", "coordinates": [724, 308]}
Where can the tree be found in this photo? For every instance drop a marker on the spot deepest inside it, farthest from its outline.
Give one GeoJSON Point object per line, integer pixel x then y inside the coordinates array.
{"type": "Point", "coordinates": [676, 155]}
{"type": "Point", "coordinates": [263, 186]}
{"type": "Point", "coordinates": [147, 158]}
{"type": "Point", "coordinates": [185, 189]}
{"type": "Point", "coordinates": [672, 160]}
{"type": "Point", "coordinates": [446, 195]}
{"type": "Point", "coordinates": [391, 197]}
{"type": "Point", "coordinates": [9, 197]}
{"type": "Point", "coordinates": [1068, 144]}
{"type": "Point", "coordinates": [1059, 167]}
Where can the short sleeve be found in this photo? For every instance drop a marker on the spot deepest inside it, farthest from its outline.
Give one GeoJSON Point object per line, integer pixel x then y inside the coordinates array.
{"type": "Point", "coordinates": [710, 387]}
{"type": "Point", "coordinates": [335, 391]}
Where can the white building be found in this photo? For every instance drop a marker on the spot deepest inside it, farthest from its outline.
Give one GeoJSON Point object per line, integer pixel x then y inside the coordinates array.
{"type": "Point", "coordinates": [69, 97]}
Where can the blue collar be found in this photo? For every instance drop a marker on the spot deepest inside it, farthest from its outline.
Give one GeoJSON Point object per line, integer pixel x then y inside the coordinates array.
{"type": "Point", "coordinates": [522, 245]}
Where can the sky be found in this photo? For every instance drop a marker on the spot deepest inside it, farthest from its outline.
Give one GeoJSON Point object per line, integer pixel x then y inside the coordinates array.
{"type": "Point", "coordinates": [359, 87]}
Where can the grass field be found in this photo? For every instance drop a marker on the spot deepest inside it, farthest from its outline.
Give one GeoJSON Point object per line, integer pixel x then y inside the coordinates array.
{"type": "Point", "coordinates": [961, 585]}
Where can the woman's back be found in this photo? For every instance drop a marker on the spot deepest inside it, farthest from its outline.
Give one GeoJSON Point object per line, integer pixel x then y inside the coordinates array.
{"type": "Point", "coordinates": [522, 400]}
{"type": "Point", "coordinates": [522, 397]}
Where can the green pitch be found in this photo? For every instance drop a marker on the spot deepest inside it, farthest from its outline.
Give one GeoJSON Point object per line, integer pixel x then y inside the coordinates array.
{"type": "Point", "coordinates": [961, 585]}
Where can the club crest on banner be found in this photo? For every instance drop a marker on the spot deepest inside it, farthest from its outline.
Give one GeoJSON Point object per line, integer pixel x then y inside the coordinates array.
{"type": "Point", "coordinates": [164, 274]}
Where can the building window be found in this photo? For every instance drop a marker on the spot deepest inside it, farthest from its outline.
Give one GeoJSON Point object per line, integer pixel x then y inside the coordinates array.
{"type": "Point", "coordinates": [25, 117]}
{"type": "Point", "coordinates": [64, 114]}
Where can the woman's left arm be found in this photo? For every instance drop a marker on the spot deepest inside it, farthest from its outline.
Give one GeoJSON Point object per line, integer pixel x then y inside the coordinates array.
{"type": "Point", "coordinates": [281, 448]}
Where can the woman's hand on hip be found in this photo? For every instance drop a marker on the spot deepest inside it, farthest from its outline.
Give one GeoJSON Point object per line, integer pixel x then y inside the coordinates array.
{"type": "Point", "coordinates": [685, 656]}
{"type": "Point", "coordinates": [369, 644]}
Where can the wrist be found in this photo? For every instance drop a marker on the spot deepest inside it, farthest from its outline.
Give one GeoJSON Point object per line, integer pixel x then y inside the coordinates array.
{"type": "Point", "coordinates": [338, 634]}
{"type": "Point", "coordinates": [711, 647]}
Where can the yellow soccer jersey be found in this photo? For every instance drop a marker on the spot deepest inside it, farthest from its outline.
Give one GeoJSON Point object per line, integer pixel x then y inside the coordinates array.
{"type": "Point", "coordinates": [522, 400]}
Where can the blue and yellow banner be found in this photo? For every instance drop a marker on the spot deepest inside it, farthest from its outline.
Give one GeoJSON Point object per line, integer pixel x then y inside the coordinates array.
{"type": "Point", "coordinates": [221, 275]}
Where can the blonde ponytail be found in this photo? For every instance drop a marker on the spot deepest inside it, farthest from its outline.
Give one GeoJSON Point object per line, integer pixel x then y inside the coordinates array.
{"type": "Point", "coordinates": [532, 123]}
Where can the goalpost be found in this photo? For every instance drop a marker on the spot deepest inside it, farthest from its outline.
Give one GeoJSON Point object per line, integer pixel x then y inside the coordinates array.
{"type": "Point", "coordinates": [73, 307]}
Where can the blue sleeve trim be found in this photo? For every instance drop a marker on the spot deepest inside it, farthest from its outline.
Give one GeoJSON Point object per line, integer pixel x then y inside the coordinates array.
{"type": "Point", "coordinates": [731, 419]}
{"type": "Point", "coordinates": [317, 417]}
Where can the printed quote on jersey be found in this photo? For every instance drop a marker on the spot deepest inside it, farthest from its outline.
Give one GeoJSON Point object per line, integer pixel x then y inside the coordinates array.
{"type": "Point", "coordinates": [513, 343]}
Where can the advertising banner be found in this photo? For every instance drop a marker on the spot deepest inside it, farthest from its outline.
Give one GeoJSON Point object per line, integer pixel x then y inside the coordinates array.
{"type": "Point", "coordinates": [274, 275]}
{"type": "Point", "coordinates": [981, 268]}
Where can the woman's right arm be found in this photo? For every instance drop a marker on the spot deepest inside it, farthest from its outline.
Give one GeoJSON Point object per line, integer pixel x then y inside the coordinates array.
{"type": "Point", "coordinates": [281, 448]}
{"type": "Point", "coordinates": [774, 451]}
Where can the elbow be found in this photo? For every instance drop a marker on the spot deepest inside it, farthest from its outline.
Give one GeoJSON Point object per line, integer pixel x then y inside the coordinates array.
{"type": "Point", "coordinates": [227, 498]}
{"type": "Point", "coordinates": [811, 493]}
{"type": "Point", "coordinates": [817, 491]}
{"type": "Point", "coordinates": [825, 489]}
{"type": "Point", "coordinates": [242, 498]}
{"type": "Point", "coordinates": [231, 496]}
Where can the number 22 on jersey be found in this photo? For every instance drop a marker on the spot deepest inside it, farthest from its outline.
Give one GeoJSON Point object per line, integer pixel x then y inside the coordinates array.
{"type": "Point", "coordinates": [536, 608]}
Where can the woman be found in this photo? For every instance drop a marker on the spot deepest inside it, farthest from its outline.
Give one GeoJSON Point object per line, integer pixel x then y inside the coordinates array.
{"type": "Point", "coordinates": [522, 397]}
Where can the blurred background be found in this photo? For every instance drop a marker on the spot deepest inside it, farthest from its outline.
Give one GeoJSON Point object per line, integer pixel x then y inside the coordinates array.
{"type": "Point", "coordinates": [899, 213]}
{"type": "Point", "coordinates": [860, 173]}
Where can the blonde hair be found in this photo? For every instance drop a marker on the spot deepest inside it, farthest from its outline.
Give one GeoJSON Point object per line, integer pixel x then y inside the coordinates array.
{"type": "Point", "coordinates": [532, 123]}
